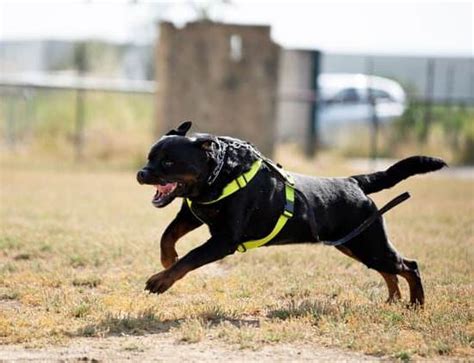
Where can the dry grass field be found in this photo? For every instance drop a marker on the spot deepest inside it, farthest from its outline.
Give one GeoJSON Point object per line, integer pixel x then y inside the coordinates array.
{"type": "Point", "coordinates": [77, 244]}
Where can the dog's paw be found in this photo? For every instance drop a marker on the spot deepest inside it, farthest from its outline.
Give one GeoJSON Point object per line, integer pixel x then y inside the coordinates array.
{"type": "Point", "coordinates": [160, 282]}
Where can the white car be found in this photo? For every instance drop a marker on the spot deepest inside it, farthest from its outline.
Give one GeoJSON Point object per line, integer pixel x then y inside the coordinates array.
{"type": "Point", "coordinates": [345, 103]}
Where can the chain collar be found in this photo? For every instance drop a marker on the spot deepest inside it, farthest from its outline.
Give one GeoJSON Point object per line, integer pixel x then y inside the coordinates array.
{"type": "Point", "coordinates": [220, 154]}
{"type": "Point", "coordinates": [221, 150]}
{"type": "Point", "coordinates": [239, 144]}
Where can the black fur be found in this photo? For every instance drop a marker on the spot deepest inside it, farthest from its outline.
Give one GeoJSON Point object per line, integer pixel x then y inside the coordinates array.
{"type": "Point", "coordinates": [325, 208]}
{"type": "Point", "coordinates": [375, 182]}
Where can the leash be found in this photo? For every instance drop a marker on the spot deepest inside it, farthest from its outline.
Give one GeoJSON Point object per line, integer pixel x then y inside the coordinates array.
{"type": "Point", "coordinates": [376, 215]}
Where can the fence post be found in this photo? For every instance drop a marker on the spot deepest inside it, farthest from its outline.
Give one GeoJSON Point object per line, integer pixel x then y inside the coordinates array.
{"type": "Point", "coordinates": [11, 119]}
{"type": "Point", "coordinates": [312, 139]}
{"type": "Point", "coordinates": [430, 79]}
{"type": "Point", "coordinates": [374, 119]}
{"type": "Point", "coordinates": [79, 127]}
{"type": "Point", "coordinates": [80, 93]}
{"type": "Point", "coordinates": [450, 85]}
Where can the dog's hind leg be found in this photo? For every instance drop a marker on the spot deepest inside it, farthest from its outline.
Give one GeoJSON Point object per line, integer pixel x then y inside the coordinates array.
{"type": "Point", "coordinates": [183, 223]}
{"type": "Point", "coordinates": [412, 275]}
{"type": "Point", "coordinates": [392, 284]}
{"type": "Point", "coordinates": [375, 251]}
{"type": "Point", "coordinates": [390, 279]}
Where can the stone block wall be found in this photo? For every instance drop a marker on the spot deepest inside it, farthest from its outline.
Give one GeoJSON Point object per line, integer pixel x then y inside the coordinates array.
{"type": "Point", "coordinates": [222, 77]}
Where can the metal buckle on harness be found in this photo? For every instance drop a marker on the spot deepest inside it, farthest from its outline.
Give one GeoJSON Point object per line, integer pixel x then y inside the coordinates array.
{"type": "Point", "coordinates": [289, 208]}
{"type": "Point", "coordinates": [241, 181]}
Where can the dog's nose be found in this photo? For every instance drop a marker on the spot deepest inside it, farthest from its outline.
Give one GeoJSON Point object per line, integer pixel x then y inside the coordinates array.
{"type": "Point", "coordinates": [141, 175]}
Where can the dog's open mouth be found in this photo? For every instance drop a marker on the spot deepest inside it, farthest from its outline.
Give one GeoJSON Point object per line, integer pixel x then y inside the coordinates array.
{"type": "Point", "coordinates": [164, 194]}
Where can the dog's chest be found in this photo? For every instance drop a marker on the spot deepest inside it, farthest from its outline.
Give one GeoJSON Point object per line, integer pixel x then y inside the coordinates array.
{"type": "Point", "coordinates": [209, 215]}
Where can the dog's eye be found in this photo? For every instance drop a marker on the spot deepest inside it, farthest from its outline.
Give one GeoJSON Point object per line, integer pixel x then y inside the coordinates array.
{"type": "Point", "coordinates": [167, 163]}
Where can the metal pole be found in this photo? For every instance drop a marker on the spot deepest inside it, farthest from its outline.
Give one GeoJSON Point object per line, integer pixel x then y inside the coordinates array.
{"type": "Point", "coordinates": [471, 80]}
{"type": "Point", "coordinates": [450, 85]}
{"type": "Point", "coordinates": [79, 128]}
{"type": "Point", "coordinates": [79, 123]}
{"type": "Point", "coordinates": [430, 78]}
{"type": "Point", "coordinates": [312, 140]}
{"type": "Point", "coordinates": [374, 119]}
{"type": "Point", "coordinates": [11, 122]}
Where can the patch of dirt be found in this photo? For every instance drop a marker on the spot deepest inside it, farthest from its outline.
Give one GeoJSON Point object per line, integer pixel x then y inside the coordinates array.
{"type": "Point", "coordinates": [163, 347]}
{"type": "Point", "coordinates": [10, 305]}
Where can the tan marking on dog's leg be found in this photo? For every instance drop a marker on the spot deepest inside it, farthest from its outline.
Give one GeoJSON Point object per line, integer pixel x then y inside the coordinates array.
{"type": "Point", "coordinates": [390, 279]}
{"type": "Point", "coordinates": [417, 296]}
{"type": "Point", "coordinates": [173, 233]}
{"type": "Point", "coordinates": [168, 252]}
{"type": "Point", "coordinates": [392, 284]}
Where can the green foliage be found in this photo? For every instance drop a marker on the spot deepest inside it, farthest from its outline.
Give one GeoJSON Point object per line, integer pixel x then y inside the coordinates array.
{"type": "Point", "coordinates": [451, 127]}
{"type": "Point", "coordinates": [403, 356]}
{"type": "Point", "coordinates": [81, 310]}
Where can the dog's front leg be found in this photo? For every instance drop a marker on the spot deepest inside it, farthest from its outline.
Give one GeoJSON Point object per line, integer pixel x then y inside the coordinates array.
{"type": "Point", "coordinates": [214, 249]}
{"type": "Point", "coordinates": [183, 223]}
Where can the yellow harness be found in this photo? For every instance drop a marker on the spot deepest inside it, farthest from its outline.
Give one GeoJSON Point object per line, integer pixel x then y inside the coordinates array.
{"type": "Point", "coordinates": [242, 181]}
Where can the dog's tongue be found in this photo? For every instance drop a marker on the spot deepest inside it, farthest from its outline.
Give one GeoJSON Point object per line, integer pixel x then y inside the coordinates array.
{"type": "Point", "coordinates": [162, 191]}
{"type": "Point", "coordinates": [165, 189]}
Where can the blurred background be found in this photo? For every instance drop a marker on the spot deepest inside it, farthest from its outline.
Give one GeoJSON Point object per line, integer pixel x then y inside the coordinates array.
{"type": "Point", "coordinates": [98, 81]}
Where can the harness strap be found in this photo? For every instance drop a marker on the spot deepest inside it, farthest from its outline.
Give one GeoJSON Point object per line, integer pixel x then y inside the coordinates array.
{"type": "Point", "coordinates": [241, 182]}
{"type": "Point", "coordinates": [235, 185]}
{"type": "Point", "coordinates": [287, 214]}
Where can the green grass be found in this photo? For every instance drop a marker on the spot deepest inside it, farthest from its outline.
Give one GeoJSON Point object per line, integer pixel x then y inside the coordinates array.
{"type": "Point", "coordinates": [88, 240]}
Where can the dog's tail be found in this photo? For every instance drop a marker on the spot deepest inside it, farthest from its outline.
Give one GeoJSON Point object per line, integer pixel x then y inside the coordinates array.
{"type": "Point", "coordinates": [375, 182]}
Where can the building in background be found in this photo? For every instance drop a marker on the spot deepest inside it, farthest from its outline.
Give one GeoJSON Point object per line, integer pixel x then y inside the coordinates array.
{"type": "Point", "coordinates": [433, 79]}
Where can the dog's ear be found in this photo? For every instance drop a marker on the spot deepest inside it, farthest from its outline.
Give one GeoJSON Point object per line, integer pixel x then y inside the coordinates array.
{"type": "Point", "coordinates": [206, 142]}
{"type": "Point", "coordinates": [182, 129]}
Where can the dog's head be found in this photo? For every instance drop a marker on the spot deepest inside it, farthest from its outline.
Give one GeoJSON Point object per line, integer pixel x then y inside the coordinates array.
{"type": "Point", "coordinates": [178, 166]}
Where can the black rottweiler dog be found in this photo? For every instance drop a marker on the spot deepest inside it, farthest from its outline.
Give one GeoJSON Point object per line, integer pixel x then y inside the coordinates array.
{"type": "Point", "coordinates": [205, 169]}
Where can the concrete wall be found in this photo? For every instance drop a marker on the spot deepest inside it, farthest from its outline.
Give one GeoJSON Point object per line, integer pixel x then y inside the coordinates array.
{"type": "Point", "coordinates": [293, 115]}
{"type": "Point", "coordinates": [203, 78]}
